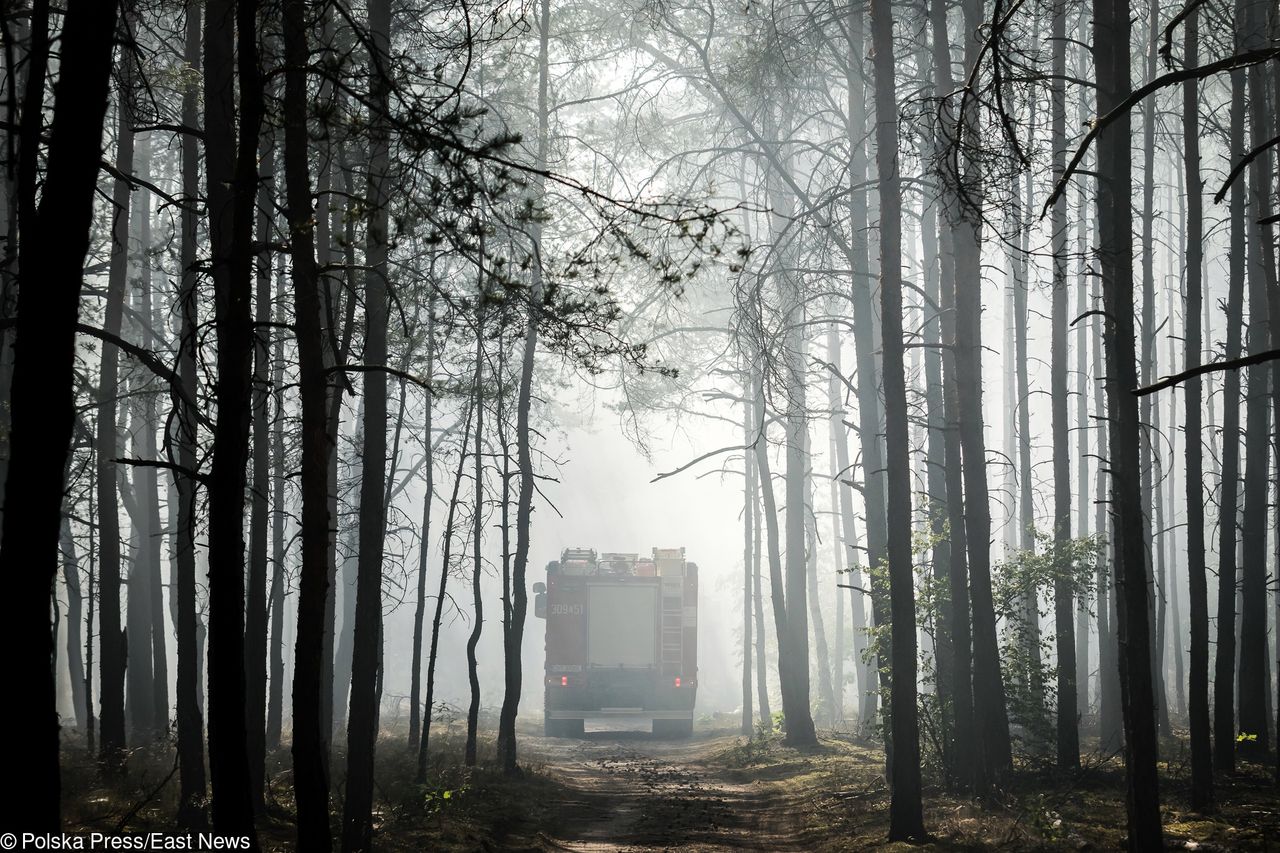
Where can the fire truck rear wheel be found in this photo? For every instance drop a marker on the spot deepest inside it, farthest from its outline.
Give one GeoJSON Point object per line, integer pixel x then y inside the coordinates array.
{"type": "Point", "coordinates": [673, 728]}
{"type": "Point", "coordinates": [564, 728]}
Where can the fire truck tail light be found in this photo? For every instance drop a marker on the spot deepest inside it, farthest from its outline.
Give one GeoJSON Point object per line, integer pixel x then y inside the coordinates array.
{"type": "Point", "coordinates": [564, 681]}
{"type": "Point", "coordinates": [677, 681]}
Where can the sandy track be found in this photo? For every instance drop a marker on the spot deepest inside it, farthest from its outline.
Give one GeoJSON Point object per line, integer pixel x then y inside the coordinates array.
{"type": "Point", "coordinates": [627, 791]}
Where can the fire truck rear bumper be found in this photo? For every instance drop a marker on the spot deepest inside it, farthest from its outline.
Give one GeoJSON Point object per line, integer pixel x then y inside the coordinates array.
{"type": "Point", "coordinates": [568, 714]}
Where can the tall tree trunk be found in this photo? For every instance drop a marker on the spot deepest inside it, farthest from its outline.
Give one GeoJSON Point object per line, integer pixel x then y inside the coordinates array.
{"type": "Point", "coordinates": [826, 695]}
{"type": "Point", "coordinates": [339, 315]}
{"type": "Point", "coordinates": [864, 334]}
{"type": "Point", "coordinates": [1110, 714]}
{"type": "Point", "coordinates": [146, 478]}
{"type": "Point", "coordinates": [75, 612]}
{"type": "Point", "coordinates": [440, 598]}
{"type": "Point", "coordinates": [362, 729]}
{"type": "Point", "coordinates": [420, 609]}
{"type": "Point", "coordinates": [1255, 687]}
{"type": "Point", "coordinates": [255, 626]}
{"type": "Point", "coordinates": [477, 527]}
{"type": "Point", "coordinates": [112, 643]}
{"type": "Point", "coordinates": [1026, 527]}
{"type": "Point", "coordinates": [1111, 53]}
{"type": "Point", "coordinates": [935, 462]}
{"type": "Point", "coordinates": [757, 559]}
{"type": "Point", "coordinates": [513, 643]}
{"type": "Point", "coordinates": [1146, 414]}
{"type": "Point", "coordinates": [275, 675]}
{"type": "Point", "coordinates": [54, 242]}
{"type": "Point", "coordinates": [231, 65]}
{"type": "Point", "coordinates": [1271, 263]}
{"type": "Point", "coordinates": [988, 685]}
{"type": "Point", "coordinates": [191, 770]}
{"type": "Point", "coordinates": [777, 593]}
{"type": "Point", "coordinates": [1082, 427]}
{"type": "Point", "coordinates": [1224, 717]}
{"type": "Point", "coordinates": [850, 562]}
{"type": "Point", "coordinates": [966, 750]}
{"type": "Point", "coordinates": [835, 436]}
{"type": "Point", "coordinates": [906, 816]}
{"type": "Point", "coordinates": [138, 694]}
{"type": "Point", "coordinates": [155, 586]}
{"type": "Point", "coordinates": [347, 578]}
{"type": "Point", "coordinates": [28, 53]}
{"type": "Point", "coordinates": [26, 112]}
{"type": "Point", "coordinates": [1179, 659]}
{"type": "Point", "coordinates": [1197, 582]}
{"type": "Point", "coordinates": [794, 653]}
{"type": "Point", "coordinates": [92, 726]}
{"type": "Point", "coordinates": [310, 738]}
{"type": "Point", "coordinates": [748, 519]}
{"type": "Point", "coordinates": [1068, 733]}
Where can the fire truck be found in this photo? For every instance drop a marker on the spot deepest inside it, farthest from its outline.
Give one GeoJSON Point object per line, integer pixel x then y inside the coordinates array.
{"type": "Point", "coordinates": [622, 639]}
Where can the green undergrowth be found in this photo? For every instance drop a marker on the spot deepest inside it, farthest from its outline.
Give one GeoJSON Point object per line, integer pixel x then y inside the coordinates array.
{"type": "Point", "coordinates": [839, 790]}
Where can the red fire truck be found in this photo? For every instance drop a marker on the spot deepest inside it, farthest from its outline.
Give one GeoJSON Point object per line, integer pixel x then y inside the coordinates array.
{"type": "Point", "coordinates": [622, 639]}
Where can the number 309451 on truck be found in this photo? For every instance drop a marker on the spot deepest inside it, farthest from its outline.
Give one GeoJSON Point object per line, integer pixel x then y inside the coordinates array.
{"type": "Point", "coordinates": [622, 639]}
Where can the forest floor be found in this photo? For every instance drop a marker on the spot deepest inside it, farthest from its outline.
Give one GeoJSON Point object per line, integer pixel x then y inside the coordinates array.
{"type": "Point", "coordinates": [628, 791]}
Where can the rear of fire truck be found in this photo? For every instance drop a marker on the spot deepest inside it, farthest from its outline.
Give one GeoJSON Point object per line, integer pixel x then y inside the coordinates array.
{"type": "Point", "coordinates": [622, 639]}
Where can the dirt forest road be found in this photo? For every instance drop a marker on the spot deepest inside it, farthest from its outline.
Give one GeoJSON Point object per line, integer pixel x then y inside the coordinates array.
{"type": "Point", "coordinates": [628, 791]}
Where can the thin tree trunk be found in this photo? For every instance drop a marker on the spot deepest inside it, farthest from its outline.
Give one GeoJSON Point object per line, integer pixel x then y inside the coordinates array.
{"type": "Point", "coordinates": [255, 627]}
{"type": "Point", "coordinates": [514, 640]}
{"type": "Point", "coordinates": [1068, 732]}
{"type": "Point", "coordinates": [366, 664]}
{"type": "Point", "coordinates": [906, 817]}
{"type": "Point", "coordinates": [440, 597]}
{"type": "Point", "coordinates": [748, 536]}
{"type": "Point", "coordinates": [777, 594]}
{"type": "Point", "coordinates": [826, 695]}
{"type": "Point", "coordinates": [850, 562]}
{"type": "Point", "coordinates": [310, 738]}
{"type": "Point", "coordinates": [1026, 527]}
{"type": "Point", "coordinates": [191, 769]}
{"type": "Point", "coordinates": [75, 612]}
{"type": "Point", "coordinates": [1255, 687]}
{"type": "Point", "coordinates": [1146, 415]}
{"type": "Point", "coordinates": [420, 609]}
{"type": "Point", "coordinates": [1224, 718]}
{"type": "Point", "coordinates": [1110, 714]}
{"type": "Point", "coordinates": [1082, 427]}
{"type": "Point", "coordinates": [1202, 762]}
{"type": "Point", "coordinates": [477, 526]}
{"type": "Point", "coordinates": [138, 699]}
{"type": "Point", "coordinates": [502, 424]}
{"type": "Point", "coordinates": [757, 558]}
{"type": "Point", "coordinates": [275, 679]}
{"type": "Point", "coordinates": [146, 477]}
{"type": "Point", "coordinates": [864, 334]}
{"type": "Point", "coordinates": [835, 435]}
{"type": "Point", "coordinates": [111, 640]}
{"type": "Point", "coordinates": [91, 734]}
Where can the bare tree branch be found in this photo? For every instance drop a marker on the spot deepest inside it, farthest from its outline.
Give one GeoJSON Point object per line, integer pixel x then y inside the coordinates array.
{"type": "Point", "coordinates": [1231, 63]}
{"type": "Point", "coordinates": [1212, 367]}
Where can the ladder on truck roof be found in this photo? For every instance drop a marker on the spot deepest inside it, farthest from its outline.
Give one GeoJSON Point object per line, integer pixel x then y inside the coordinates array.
{"type": "Point", "coordinates": [672, 624]}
